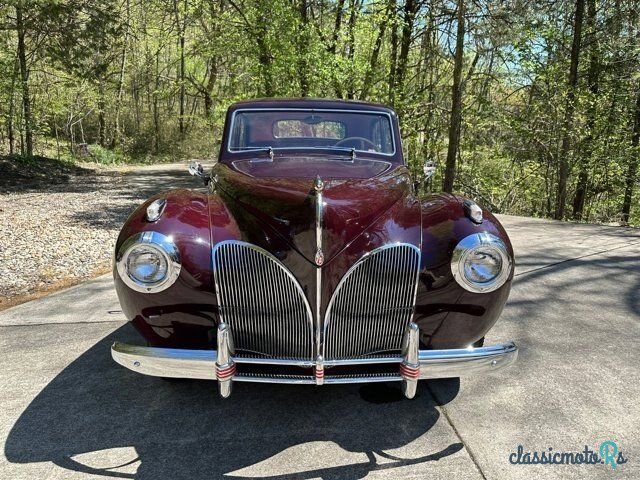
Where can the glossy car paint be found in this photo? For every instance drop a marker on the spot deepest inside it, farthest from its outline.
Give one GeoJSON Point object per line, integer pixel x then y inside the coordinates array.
{"type": "Point", "coordinates": [368, 203]}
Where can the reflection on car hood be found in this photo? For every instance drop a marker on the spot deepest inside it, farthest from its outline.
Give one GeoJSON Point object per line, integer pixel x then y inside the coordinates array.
{"type": "Point", "coordinates": [287, 205]}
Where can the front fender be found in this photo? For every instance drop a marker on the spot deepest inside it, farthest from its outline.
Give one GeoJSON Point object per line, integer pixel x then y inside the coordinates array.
{"type": "Point", "coordinates": [448, 315]}
{"type": "Point", "coordinates": [184, 314]}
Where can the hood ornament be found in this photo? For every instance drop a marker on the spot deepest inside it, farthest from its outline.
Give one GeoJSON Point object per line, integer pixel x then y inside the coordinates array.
{"type": "Point", "coordinates": [318, 184]}
{"type": "Point", "coordinates": [319, 257]}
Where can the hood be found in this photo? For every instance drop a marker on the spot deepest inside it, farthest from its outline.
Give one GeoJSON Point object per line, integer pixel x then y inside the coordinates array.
{"type": "Point", "coordinates": [283, 196]}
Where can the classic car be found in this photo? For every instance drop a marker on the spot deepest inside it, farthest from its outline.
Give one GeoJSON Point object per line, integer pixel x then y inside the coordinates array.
{"type": "Point", "coordinates": [309, 259]}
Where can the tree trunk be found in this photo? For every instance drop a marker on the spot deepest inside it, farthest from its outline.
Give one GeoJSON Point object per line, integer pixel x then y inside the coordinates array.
{"type": "Point", "coordinates": [302, 47]}
{"type": "Point", "coordinates": [215, 11]}
{"type": "Point", "coordinates": [351, 45]}
{"type": "Point", "coordinates": [592, 82]}
{"type": "Point", "coordinates": [181, 25]}
{"type": "Point", "coordinates": [12, 109]}
{"type": "Point", "coordinates": [632, 170]}
{"type": "Point", "coordinates": [265, 63]}
{"type": "Point", "coordinates": [375, 54]}
{"type": "Point", "coordinates": [264, 53]}
{"type": "Point", "coordinates": [182, 86]}
{"type": "Point", "coordinates": [123, 62]}
{"type": "Point", "coordinates": [393, 61]}
{"type": "Point", "coordinates": [24, 77]}
{"type": "Point", "coordinates": [456, 103]}
{"type": "Point", "coordinates": [408, 18]}
{"type": "Point", "coordinates": [333, 46]}
{"type": "Point", "coordinates": [563, 170]}
{"type": "Point", "coordinates": [156, 107]}
{"type": "Point", "coordinates": [102, 124]}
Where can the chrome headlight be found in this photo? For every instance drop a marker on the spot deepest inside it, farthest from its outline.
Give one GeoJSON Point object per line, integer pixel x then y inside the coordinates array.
{"type": "Point", "coordinates": [148, 262]}
{"type": "Point", "coordinates": [481, 263]}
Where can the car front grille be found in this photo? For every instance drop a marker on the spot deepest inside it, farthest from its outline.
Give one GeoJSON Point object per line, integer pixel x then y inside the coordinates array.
{"type": "Point", "coordinates": [262, 303]}
{"type": "Point", "coordinates": [373, 304]}
{"type": "Point", "coordinates": [269, 315]}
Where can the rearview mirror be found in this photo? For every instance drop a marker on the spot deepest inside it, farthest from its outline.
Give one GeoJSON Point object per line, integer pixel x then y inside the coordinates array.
{"type": "Point", "coordinates": [429, 169]}
{"type": "Point", "coordinates": [197, 170]}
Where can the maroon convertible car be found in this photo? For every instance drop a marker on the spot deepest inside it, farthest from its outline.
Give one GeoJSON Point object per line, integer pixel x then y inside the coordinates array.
{"type": "Point", "coordinates": [310, 260]}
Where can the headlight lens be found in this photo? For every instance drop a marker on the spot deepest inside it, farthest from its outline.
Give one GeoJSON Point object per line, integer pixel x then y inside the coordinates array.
{"type": "Point", "coordinates": [147, 265]}
{"type": "Point", "coordinates": [481, 263]}
{"type": "Point", "coordinates": [148, 262]}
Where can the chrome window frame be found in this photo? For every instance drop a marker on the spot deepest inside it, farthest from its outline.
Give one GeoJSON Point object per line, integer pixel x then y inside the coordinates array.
{"type": "Point", "coordinates": [311, 110]}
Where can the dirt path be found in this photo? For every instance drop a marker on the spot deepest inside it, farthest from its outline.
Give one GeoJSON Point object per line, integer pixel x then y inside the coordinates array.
{"type": "Point", "coordinates": [56, 234]}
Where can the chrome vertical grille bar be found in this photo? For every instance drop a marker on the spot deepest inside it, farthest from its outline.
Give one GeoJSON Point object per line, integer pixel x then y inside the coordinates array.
{"type": "Point", "coordinates": [262, 302]}
{"type": "Point", "coordinates": [372, 304]}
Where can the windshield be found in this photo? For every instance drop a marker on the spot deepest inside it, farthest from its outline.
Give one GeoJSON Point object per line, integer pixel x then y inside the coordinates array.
{"type": "Point", "coordinates": [311, 129]}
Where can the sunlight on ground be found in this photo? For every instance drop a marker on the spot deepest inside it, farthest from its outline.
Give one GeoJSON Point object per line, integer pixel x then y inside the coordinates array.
{"type": "Point", "coordinates": [305, 457]}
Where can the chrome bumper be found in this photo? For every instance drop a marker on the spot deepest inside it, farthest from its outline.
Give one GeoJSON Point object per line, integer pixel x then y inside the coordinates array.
{"type": "Point", "coordinates": [220, 365]}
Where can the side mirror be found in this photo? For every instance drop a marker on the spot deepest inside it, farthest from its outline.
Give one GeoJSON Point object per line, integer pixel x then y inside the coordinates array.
{"type": "Point", "coordinates": [197, 170]}
{"type": "Point", "coordinates": [429, 169]}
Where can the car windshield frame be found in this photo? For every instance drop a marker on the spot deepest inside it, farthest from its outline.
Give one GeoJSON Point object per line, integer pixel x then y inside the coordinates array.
{"type": "Point", "coordinates": [237, 151]}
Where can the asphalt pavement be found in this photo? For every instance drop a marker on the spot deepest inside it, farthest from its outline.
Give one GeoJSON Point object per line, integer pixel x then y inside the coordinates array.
{"type": "Point", "coordinates": [68, 411]}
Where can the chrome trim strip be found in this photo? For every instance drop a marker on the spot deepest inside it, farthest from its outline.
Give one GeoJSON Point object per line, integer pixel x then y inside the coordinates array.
{"type": "Point", "coordinates": [275, 379]}
{"type": "Point", "coordinates": [364, 112]}
{"type": "Point", "coordinates": [370, 299]}
{"type": "Point", "coordinates": [166, 362]}
{"type": "Point", "coordinates": [162, 244]}
{"type": "Point", "coordinates": [274, 361]}
{"type": "Point", "coordinates": [180, 363]}
{"type": "Point", "coordinates": [363, 379]}
{"type": "Point", "coordinates": [466, 361]}
{"type": "Point", "coordinates": [319, 259]}
{"type": "Point", "coordinates": [256, 296]}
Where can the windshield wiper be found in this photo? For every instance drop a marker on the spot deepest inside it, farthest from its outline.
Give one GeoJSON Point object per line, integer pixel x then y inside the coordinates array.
{"type": "Point", "coordinates": [268, 149]}
{"type": "Point", "coordinates": [351, 151]}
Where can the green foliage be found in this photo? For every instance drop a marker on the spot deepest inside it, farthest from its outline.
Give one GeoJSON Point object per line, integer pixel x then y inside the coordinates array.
{"type": "Point", "coordinates": [110, 74]}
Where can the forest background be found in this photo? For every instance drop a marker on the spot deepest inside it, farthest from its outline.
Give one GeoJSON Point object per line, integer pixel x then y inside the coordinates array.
{"type": "Point", "coordinates": [529, 107]}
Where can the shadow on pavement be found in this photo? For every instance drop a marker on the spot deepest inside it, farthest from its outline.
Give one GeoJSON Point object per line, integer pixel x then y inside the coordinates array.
{"type": "Point", "coordinates": [611, 268]}
{"type": "Point", "coordinates": [184, 430]}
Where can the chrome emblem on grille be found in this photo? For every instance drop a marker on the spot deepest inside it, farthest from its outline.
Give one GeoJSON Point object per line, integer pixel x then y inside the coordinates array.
{"type": "Point", "coordinates": [319, 257]}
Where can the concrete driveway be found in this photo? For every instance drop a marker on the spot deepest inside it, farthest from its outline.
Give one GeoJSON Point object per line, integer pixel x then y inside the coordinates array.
{"type": "Point", "coordinates": [69, 412]}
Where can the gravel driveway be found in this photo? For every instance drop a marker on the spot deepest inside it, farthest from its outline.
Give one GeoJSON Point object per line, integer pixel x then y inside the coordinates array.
{"type": "Point", "coordinates": [66, 233]}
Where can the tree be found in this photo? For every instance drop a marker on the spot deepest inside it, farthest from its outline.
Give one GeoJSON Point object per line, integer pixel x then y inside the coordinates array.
{"type": "Point", "coordinates": [572, 83]}
{"type": "Point", "coordinates": [593, 75]}
{"type": "Point", "coordinates": [632, 171]}
{"type": "Point", "coordinates": [21, 30]}
{"type": "Point", "coordinates": [456, 101]}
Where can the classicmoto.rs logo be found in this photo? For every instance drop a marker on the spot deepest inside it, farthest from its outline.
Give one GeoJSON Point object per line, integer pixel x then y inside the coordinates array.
{"type": "Point", "coordinates": [608, 453]}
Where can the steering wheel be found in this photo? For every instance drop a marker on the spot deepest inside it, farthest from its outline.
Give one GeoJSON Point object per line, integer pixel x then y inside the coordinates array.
{"type": "Point", "coordinates": [362, 141]}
